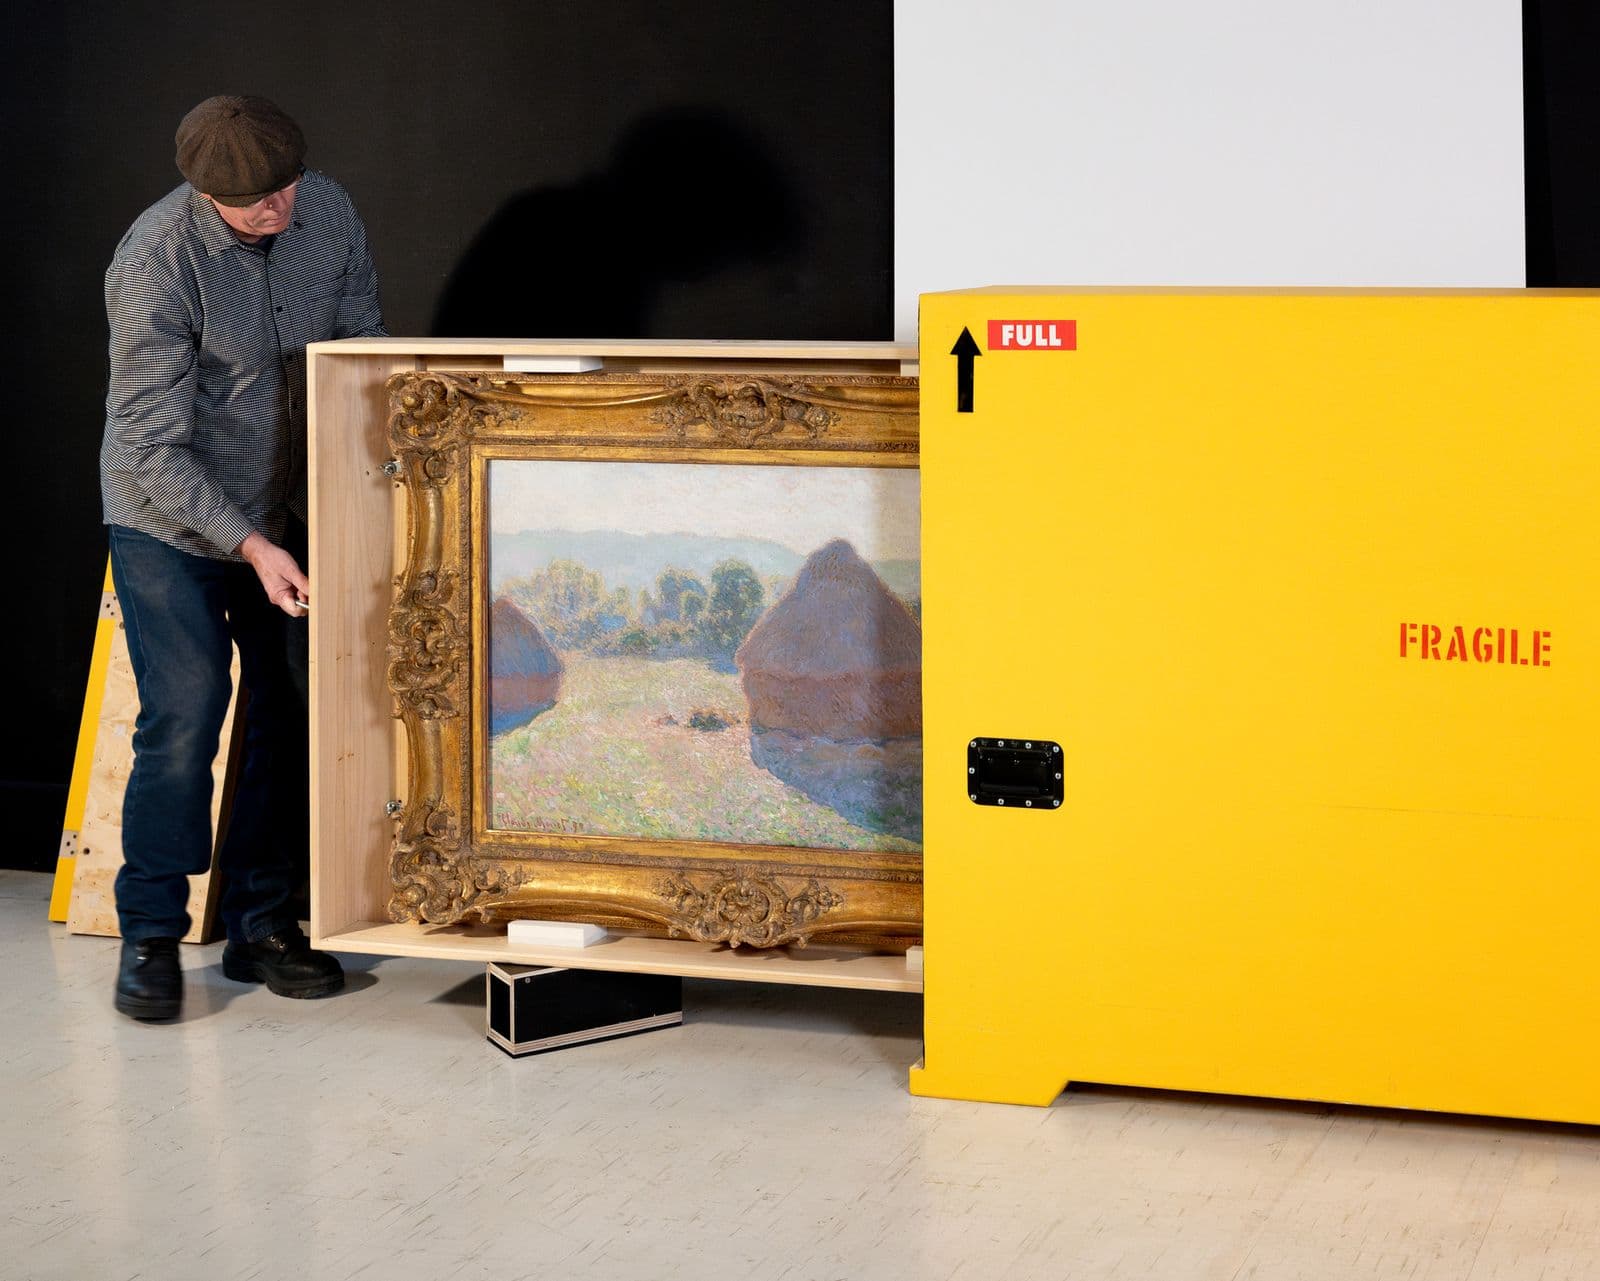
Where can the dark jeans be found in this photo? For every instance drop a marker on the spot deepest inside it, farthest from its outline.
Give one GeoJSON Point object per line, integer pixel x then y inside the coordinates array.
{"type": "Point", "coordinates": [183, 615]}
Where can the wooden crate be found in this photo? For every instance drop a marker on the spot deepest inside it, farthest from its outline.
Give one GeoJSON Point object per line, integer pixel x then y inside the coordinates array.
{"type": "Point", "coordinates": [357, 751]}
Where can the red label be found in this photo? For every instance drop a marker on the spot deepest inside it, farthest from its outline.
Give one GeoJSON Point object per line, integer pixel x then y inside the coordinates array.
{"type": "Point", "coordinates": [1463, 643]}
{"type": "Point", "coordinates": [1033, 335]}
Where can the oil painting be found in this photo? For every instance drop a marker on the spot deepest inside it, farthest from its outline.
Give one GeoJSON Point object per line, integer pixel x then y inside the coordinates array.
{"type": "Point", "coordinates": [695, 651]}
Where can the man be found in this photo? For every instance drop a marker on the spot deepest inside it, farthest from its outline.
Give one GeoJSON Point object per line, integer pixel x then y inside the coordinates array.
{"type": "Point", "coordinates": [211, 298]}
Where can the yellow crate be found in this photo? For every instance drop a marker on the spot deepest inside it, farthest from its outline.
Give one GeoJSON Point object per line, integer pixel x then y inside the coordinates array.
{"type": "Point", "coordinates": [1304, 583]}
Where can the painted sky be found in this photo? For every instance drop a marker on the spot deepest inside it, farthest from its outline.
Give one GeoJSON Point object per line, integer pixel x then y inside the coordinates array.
{"type": "Point", "coordinates": [876, 508]}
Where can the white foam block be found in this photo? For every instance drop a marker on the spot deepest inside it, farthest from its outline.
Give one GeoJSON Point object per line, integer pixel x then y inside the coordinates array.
{"type": "Point", "coordinates": [914, 959]}
{"type": "Point", "coordinates": [550, 364]}
{"type": "Point", "coordinates": [554, 933]}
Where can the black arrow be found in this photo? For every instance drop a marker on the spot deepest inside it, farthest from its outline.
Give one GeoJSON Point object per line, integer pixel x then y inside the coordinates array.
{"type": "Point", "coordinates": [964, 350]}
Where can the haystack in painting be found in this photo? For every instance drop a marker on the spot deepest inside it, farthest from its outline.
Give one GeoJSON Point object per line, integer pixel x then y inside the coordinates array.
{"type": "Point", "coordinates": [833, 677]}
{"type": "Point", "coordinates": [524, 671]}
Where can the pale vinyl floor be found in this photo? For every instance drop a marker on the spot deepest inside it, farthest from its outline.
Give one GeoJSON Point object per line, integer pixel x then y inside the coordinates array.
{"type": "Point", "coordinates": [378, 1135]}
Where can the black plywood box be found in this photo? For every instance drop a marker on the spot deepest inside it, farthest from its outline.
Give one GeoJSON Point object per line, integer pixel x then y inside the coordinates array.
{"type": "Point", "coordinates": [534, 1008]}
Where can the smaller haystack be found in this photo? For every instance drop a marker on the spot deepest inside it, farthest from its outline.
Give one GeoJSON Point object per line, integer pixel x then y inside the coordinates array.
{"type": "Point", "coordinates": [524, 671]}
{"type": "Point", "coordinates": [839, 657]}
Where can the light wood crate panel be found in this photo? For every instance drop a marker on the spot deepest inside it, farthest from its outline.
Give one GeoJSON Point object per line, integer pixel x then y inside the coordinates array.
{"type": "Point", "coordinates": [358, 759]}
{"type": "Point", "coordinates": [94, 904]}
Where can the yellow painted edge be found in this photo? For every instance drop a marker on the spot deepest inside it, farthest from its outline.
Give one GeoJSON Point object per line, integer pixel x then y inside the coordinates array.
{"type": "Point", "coordinates": [83, 763]}
{"type": "Point", "coordinates": [61, 890]}
{"type": "Point", "coordinates": [1035, 1089]}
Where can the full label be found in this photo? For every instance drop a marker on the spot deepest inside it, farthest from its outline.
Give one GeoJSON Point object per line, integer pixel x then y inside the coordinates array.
{"type": "Point", "coordinates": [1033, 335]}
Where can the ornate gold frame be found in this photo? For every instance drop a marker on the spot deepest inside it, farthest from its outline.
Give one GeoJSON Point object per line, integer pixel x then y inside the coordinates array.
{"type": "Point", "coordinates": [447, 865]}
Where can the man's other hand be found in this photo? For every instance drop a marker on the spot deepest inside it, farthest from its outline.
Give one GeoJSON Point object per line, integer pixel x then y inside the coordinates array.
{"type": "Point", "coordinates": [281, 579]}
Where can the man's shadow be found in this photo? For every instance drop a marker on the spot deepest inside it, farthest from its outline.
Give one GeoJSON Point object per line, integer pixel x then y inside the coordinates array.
{"type": "Point", "coordinates": [687, 193]}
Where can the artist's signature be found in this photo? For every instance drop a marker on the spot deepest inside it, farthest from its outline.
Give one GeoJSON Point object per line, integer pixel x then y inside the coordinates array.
{"type": "Point", "coordinates": [561, 826]}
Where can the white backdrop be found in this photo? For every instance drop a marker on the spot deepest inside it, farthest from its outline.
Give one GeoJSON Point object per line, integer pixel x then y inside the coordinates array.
{"type": "Point", "coordinates": [1201, 142]}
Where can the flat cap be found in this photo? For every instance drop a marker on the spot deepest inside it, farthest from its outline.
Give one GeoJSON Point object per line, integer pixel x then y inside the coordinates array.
{"type": "Point", "coordinates": [238, 150]}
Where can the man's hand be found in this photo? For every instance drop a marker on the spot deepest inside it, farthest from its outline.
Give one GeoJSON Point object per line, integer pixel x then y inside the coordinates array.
{"type": "Point", "coordinates": [281, 579]}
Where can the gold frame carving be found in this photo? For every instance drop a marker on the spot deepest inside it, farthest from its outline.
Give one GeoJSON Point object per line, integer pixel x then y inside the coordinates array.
{"type": "Point", "coordinates": [447, 866]}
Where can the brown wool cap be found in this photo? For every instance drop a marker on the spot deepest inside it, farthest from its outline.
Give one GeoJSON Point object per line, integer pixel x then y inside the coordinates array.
{"type": "Point", "coordinates": [239, 149]}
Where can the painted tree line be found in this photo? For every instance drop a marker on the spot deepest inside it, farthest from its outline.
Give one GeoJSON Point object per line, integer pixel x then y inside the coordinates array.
{"type": "Point", "coordinates": [684, 617]}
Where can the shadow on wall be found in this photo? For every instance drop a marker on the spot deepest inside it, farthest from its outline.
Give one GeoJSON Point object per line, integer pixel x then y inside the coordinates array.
{"type": "Point", "coordinates": [688, 193]}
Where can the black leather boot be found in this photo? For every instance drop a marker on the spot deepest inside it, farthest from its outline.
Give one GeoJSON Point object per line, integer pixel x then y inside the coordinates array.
{"type": "Point", "coordinates": [286, 963]}
{"type": "Point", "coordinates": [149, 980]}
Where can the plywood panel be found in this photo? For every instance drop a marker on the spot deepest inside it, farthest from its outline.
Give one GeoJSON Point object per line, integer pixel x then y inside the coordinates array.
{"type": "Point", "coordinates": [810, 966]}
{"type": "Point", "coordinates": [83, 759]}
{"type": "Point", "coordinates": [352, 566]}
{"type": "Point", "coordinates": [638, 349]}
{"type": "Point", "coordinates": [94, 909]}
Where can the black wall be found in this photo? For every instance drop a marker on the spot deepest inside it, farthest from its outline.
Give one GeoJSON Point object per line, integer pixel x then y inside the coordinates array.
{"type": "Point", "coordinates": [685, 168]}
{"type": "Point", "coordinates": [1561, 93]}
{"type": "Point", "coordinates": [610, 168]}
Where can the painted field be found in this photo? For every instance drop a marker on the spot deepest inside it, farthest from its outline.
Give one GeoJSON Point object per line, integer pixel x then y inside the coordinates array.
{"type": "Point", "coordinates": [657, 749]}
